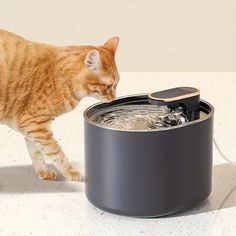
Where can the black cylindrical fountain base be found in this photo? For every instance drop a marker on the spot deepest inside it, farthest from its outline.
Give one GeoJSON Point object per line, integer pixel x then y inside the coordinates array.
{"type": "Point", "coordinates": [148, 173]}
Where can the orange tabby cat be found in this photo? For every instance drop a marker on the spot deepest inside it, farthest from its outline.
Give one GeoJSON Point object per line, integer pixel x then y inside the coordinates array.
{"type": "Point", "coordinates": [39, 82]}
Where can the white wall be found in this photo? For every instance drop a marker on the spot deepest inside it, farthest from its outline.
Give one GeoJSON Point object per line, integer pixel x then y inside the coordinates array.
{"type": "Point", "coordinates": [156, 35]}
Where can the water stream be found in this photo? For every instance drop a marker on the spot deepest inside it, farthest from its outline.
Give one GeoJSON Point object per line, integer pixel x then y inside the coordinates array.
{"type": "Point", "coordinates": [140, 117]}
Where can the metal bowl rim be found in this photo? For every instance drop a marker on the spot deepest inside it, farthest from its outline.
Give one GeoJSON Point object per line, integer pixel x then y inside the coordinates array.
{"type": "Point", "coordinates": [87, 119]}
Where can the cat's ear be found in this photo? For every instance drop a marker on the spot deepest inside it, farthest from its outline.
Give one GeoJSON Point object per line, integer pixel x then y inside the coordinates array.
{"type": "Point", "coordinates": [112, 44]}
{"type": "Point", "coordinates": [92, 60]}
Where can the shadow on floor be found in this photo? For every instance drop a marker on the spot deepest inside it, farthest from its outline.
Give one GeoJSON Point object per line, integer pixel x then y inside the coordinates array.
{"type": "Point", "coordinates": [22, 179]}
{"type": "Point", "coordinates": [223, 193]}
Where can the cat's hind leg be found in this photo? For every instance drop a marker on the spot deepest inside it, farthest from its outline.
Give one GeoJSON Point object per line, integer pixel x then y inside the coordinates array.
{"type": "Point", "coordinates": [38, 162]}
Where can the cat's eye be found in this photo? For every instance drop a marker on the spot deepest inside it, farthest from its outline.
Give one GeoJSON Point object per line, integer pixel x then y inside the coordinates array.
{"type": "Point", "coordinates": [109, 87]}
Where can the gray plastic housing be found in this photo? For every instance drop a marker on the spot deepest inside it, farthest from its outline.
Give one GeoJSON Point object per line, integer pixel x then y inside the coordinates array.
{"type": "Point", "coordinates": [148, 173]}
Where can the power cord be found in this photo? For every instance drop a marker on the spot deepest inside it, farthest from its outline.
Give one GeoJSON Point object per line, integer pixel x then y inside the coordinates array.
{"type": "Point", "coordinates": [222, 154]}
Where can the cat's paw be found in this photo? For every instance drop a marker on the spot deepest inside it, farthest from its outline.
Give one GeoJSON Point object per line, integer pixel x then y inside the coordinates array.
{"type": "Point", "coordinates": [71, 174]}
{"type": "Point", "coordinates": [47, 174]}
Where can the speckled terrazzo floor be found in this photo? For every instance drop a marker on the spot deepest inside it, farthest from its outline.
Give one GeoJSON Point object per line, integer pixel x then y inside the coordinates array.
{"type": "Point", "coordinates": [29, 206]}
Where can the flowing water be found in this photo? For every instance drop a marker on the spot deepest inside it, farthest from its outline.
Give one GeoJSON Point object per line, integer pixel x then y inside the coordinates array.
{"type": "Point", "coordinates": [140, 117]}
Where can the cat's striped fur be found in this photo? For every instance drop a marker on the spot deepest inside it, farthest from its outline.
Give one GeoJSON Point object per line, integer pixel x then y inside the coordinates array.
{"type": "Point", "coordinates": [39, 82]}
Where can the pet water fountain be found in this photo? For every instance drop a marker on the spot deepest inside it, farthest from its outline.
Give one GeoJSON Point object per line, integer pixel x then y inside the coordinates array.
{"type": "Point", "coordinates": [149, 155]}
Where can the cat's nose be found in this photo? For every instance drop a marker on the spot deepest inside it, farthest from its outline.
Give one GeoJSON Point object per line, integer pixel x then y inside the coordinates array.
{"type": "Point", "coordinates": [107, 99]}
{"type": "Point", "coordinates": [111, 97]}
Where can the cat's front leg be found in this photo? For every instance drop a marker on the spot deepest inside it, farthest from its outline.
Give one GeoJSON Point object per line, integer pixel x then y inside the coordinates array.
{"type": "Point", "coordinates": [43, 138]}
{"type": "Point", "coordinates": [38, 162]}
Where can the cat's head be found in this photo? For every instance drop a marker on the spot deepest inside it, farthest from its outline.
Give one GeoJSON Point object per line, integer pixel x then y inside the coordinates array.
{"type": "Point", "coordinates": [101, 74]}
